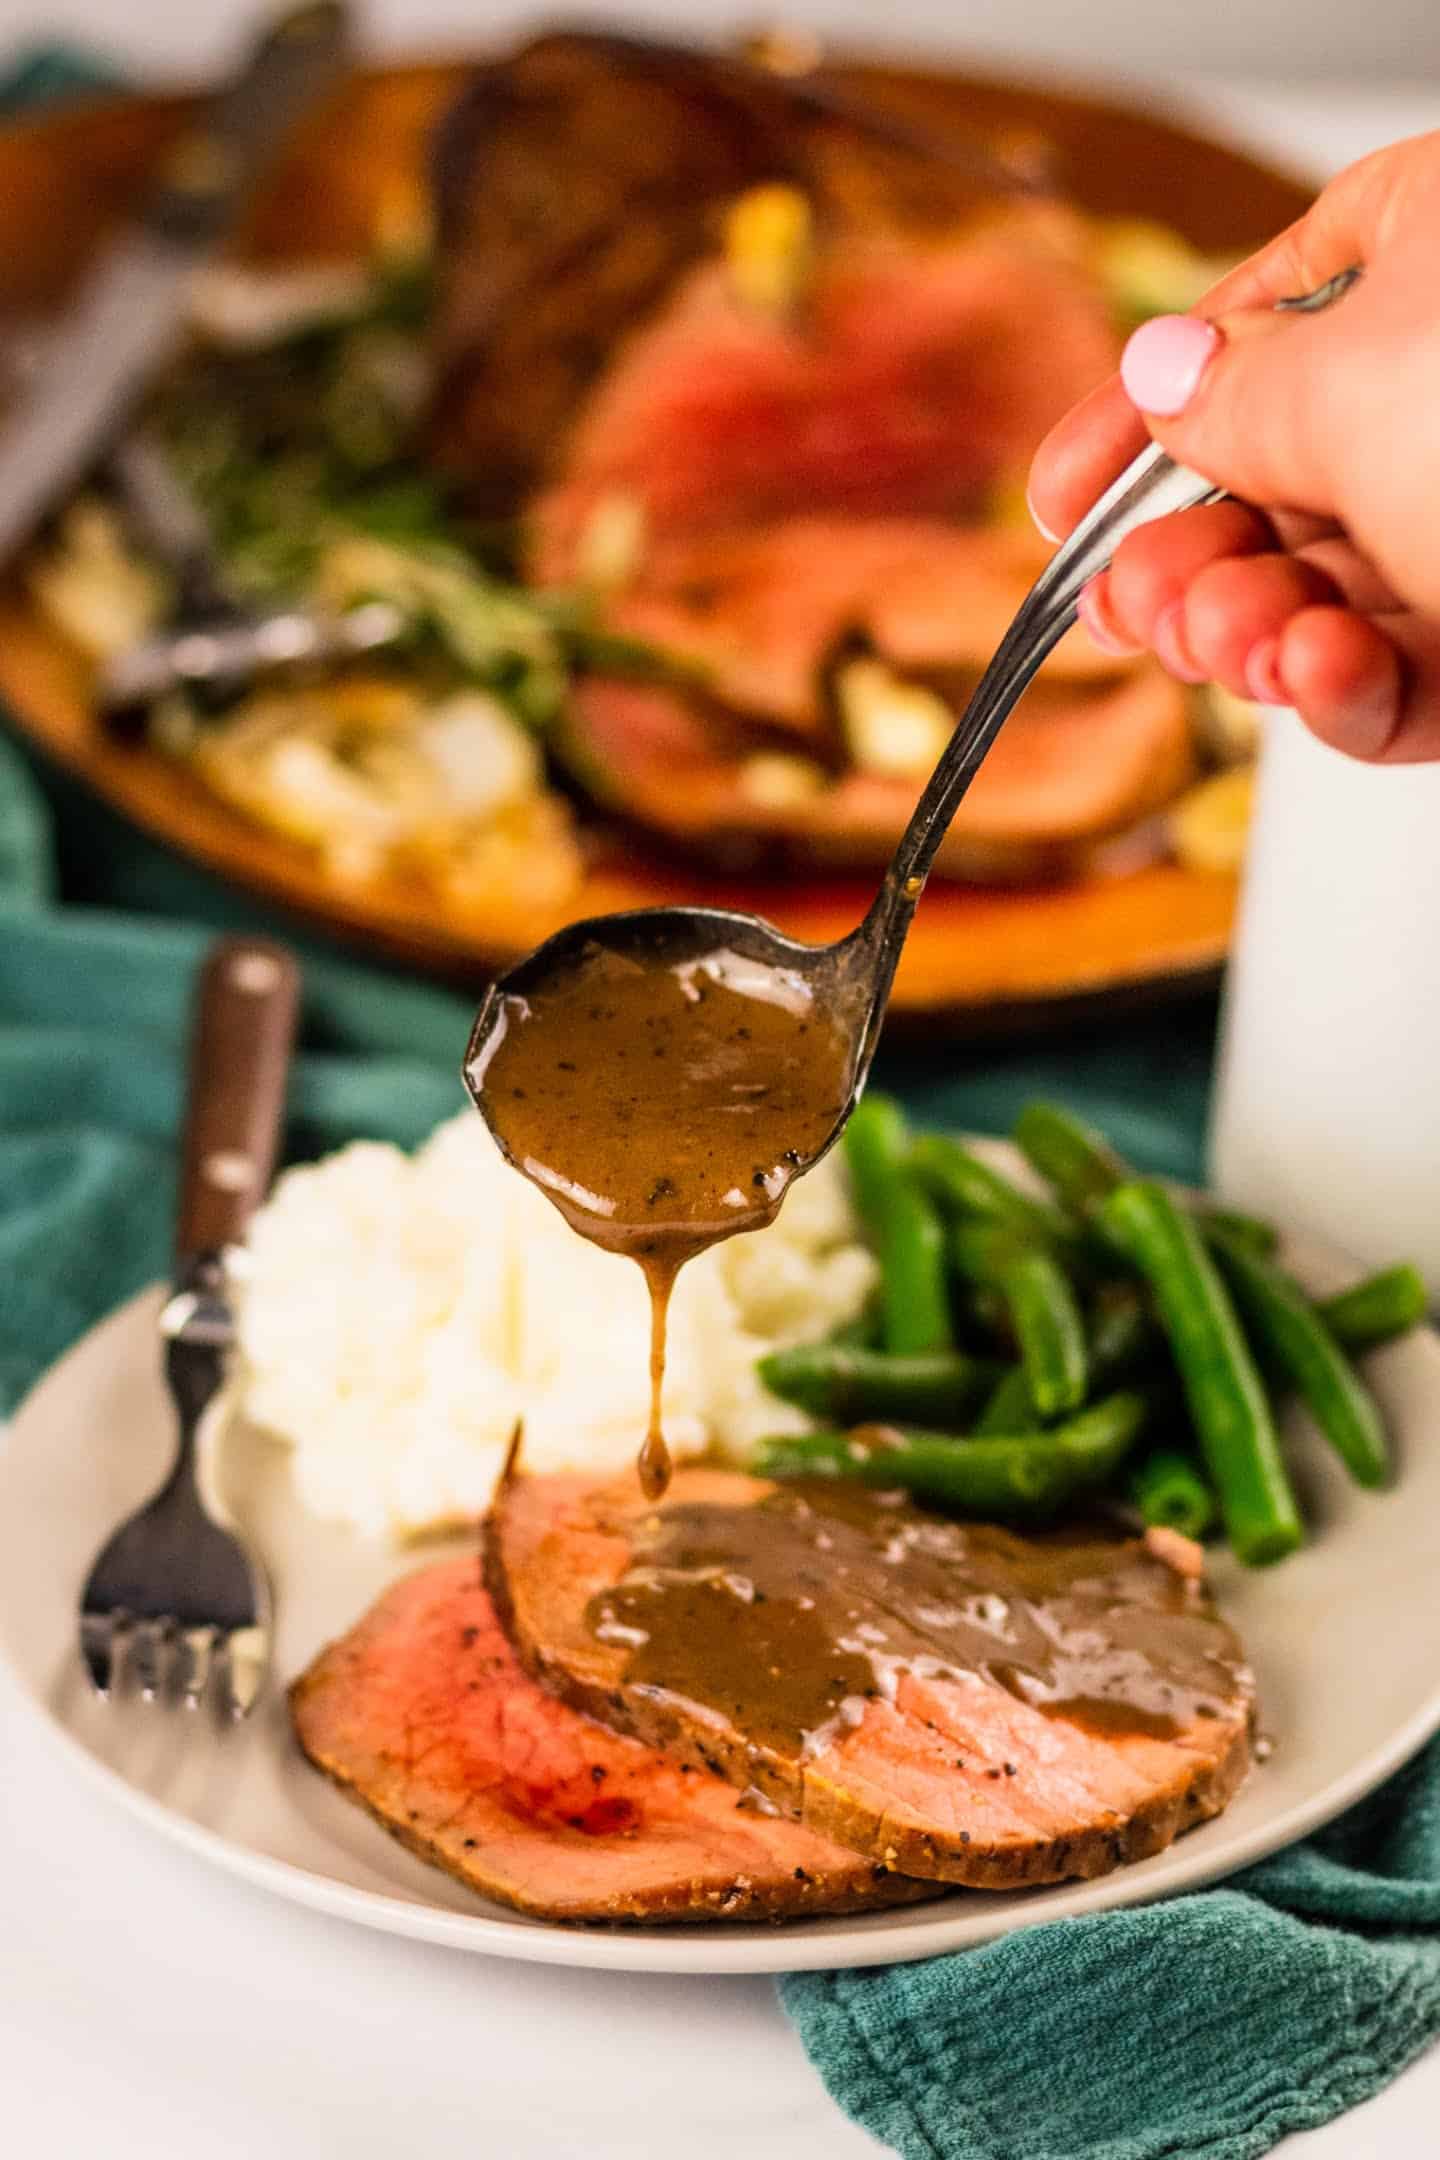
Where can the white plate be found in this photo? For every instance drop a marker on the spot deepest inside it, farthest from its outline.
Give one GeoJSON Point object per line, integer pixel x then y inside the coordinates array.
{"type": "Point", "coordinates": [1345, 1639]}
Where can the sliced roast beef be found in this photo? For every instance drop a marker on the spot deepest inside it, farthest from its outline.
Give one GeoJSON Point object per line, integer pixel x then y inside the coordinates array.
{"type": "Point", "coordinates": [1076, 764]}
{"type": "Point", "coordinates": [760, 612]}
{"type": "Point", "coordinates": [754, 482]}
{"type": "Point", "coordinates": [997, 1712]}
{"type": "Point", "coordinates": [915, 380]}
{"type": "Point", "coordinates": [573, 189]}
{"type": "Point", "coordinates": [579, 177]}
{"type": "Point", "coordinates": [423, 1716]}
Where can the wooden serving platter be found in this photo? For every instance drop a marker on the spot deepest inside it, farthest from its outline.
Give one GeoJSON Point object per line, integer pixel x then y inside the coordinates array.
{"type": "Point", "coordinates": [976, 957]}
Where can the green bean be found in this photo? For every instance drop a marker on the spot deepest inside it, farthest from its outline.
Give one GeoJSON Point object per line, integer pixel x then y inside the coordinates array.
{"type": "Point", "coordinates": [968, 1186]}
{"type": "Point", "coordinates": [1123, 1336]}
{"type": "Point", "coordinates": [1169, 1490]}
{"type": "Point", "coordinates": [1247, 1230]}
{"type": "Point", "coordinates": [877, 1140]}
{"type": "Point", "coordinates": [851, 1386]}
{"type": "Point", "coordinates": [915, 1293]}
{"type": "Point", "coordinates": [985, 1317]}
{"type": "Point", "coordinates": [1051, 1333]}
{"type": "Point", "coordinates": [1015, 1477]}
{"type": "Point", "coordinates": [1290, 1332]}
{"type": "Point", "coordinates": [903, 1227]}
{"type": "Point", "coordinates": [1083, 1168]}
{"type": "Point", "coordinates": [1224, 1390]}
{"type": "Point", "coordinates": [1009, 1408]}
{"type": "Point", "coordinates": [981, 1251]}
{"type": "Point", "coordinates": [1376, 1310]}
{"type": "Point", "coordinates": [1043, 1309]}
{"type": "Point", "coordinates": [1071, 1156]}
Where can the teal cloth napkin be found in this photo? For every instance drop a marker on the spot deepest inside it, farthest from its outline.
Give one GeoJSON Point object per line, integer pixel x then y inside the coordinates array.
{"type": "Point", "coordinates": [1206, 2028]}
{"type": "Point", "coordinates": [1203, 2029]}
{"type": "Point", "coordinates": [94, 1013]}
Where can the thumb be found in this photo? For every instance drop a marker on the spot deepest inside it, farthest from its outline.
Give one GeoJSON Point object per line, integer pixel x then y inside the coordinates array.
{"type": "Point", "coordinates": [1246, 398]}
{"type": "Point", "coordinates": [1260, 398]}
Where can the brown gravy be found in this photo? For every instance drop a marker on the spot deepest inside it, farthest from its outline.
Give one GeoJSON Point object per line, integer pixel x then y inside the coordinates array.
{"type": "Point", "coordinates": [787, 1615]}
{"type": "Point", "coordinates": [662, 1107]}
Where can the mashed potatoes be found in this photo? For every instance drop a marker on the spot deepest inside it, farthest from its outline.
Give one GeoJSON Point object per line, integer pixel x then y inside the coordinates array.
{"type": "Point", "coordinates": [399, 1314]}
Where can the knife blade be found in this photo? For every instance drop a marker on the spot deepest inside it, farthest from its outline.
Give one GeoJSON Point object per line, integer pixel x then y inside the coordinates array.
{"type": "Point", "coordinates": [131, 306]}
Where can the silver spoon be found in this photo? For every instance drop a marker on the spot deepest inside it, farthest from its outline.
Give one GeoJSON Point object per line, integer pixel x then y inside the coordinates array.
{"type": "Point", "coordinates": [851, 980]}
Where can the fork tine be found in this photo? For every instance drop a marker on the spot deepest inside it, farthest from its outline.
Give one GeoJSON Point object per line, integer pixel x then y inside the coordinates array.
{"type": "Point", "coordinates": [196, 1656]}
{"type": "Point", "coordinates": [243, 1662]}
{"type": "Point", "coordinates": [150, 1658]}
{"type": "Point", "coordinates": [118, 1629]}
{"type": "Point", "coordinates": [98, 1633]}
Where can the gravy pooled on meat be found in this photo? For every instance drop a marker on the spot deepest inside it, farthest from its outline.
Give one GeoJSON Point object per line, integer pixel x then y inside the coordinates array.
{"type": "Point", "coordinates": [789, 1614]}
{"type": "Point", "coordinates": [662, 1106]}
{"type": "Point", "coordinates": [958, 1703]}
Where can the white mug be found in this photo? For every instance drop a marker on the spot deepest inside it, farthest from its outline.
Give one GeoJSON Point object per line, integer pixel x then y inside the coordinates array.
{"type": "Point", "coordinates": [1327, 1104]}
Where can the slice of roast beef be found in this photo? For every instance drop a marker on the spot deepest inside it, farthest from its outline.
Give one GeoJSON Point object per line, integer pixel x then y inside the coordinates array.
{"type": "Point", "coordinates": [573, 190]}
{"type": "Point", "coordinates": [579, 177]}
{"type": "Point", "coordinates": [916, 379]}
{"type": "Point", "coordinates": [999, 1712]}
{"type": "Point", "coordinates": [760, 612]}
{"type": "Point", "coordinates": [422, 1715]}
{"type": "Point", "coordinates": [1074, 766]}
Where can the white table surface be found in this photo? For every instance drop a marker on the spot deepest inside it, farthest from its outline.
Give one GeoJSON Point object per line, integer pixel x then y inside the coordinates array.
{"type": "Point", "coordinates": [151, 2007]}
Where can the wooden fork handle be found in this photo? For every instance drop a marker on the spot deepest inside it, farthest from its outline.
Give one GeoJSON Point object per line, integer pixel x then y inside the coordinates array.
{"type": "Point", "coordinates": [241, 1035]}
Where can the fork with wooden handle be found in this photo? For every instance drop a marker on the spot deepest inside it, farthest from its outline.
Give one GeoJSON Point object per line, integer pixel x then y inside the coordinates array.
{"type": "Point", "coordinates": [176, 1601]}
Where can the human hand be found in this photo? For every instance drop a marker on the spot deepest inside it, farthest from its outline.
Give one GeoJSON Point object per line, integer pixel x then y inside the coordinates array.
{"type": "Point", "coordinates": [1320, 586]}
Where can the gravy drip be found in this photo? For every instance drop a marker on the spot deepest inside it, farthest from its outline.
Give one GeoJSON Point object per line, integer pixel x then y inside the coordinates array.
{"type": "Point", "coordinates": [788, 1615]}
{"type": "Point", "coordinates": [664, 1106]}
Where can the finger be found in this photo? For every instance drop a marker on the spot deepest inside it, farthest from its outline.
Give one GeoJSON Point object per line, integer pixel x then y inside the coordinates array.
{"type": "Point", "coordinates": [1295, 529]}
{"type": "Point", "coordinates": [1255, 401]}
{"type": "Point", "coordinates": [1356, 579]}
{"type": "Point", "coordinates": [1208, 614]}
{"type": "Point", "coordinates": [1081, 456]}
{"type": "Point", "coordinates": [1097, 619]}
{"type": "Point", "coordinates": [1235, 440]}
{"type": "Point", "coordinates": [1229, 623]}
{"type": "Point", "coordinates": [1264, 403]}
{"type": "Point", "coordinates": [1235, 609]}
{"type": "Point", "coordinates": [1338, 232]}
{"type": "Point", "coordinates": [1369, 686]}
{"type": "Point", "coordinates": [1085, 451]}
{"type": "Point", "coordinates": [1154, 568]}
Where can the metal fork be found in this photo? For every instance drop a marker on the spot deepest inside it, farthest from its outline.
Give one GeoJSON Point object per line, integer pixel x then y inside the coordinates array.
{"type": "Point", "coordinates": [176, 1600]}
{"type": "Point", "coordinates": [216, 643]}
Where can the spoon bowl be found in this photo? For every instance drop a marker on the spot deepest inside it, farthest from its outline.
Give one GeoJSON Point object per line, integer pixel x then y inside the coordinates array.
{"type": "Point", "coordinates": [839, 978]}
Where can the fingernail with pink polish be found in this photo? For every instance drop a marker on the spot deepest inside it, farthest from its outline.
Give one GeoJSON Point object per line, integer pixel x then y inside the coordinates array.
{"type": "Point", "coordinates": [1262, 673]}
{"type": "Point", "coordinates": [1168, 639]}
{"type": "Point", "coordinates": [1095, 616]}
{"type": "Point", "coordinates": [1162, 365]}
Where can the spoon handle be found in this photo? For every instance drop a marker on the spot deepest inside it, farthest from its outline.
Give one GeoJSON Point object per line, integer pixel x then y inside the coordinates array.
{"type": "Point", "coordinates": [1152, 487]}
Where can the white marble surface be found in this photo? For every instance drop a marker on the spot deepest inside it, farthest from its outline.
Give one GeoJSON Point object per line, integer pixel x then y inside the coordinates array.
{"type": "Point", "coordinates": [148, 2006]}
